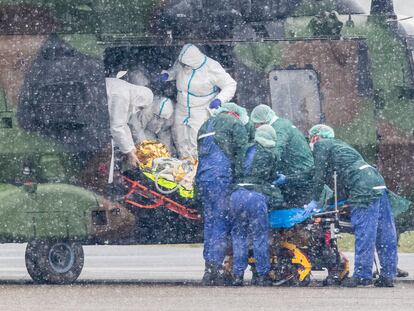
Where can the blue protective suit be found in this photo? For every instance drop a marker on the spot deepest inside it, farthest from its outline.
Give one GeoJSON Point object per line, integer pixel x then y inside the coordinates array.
{"type": "Point", "coordinates": [374, 229]}
{"type": "Point", "coordinates": [213, 180]}
{"type": "Point", "coordinates": [248, 215]}
{"type": "Point", "coordinates": [249, 218]}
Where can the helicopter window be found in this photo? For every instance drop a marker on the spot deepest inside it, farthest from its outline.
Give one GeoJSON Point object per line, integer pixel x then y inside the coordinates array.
{"type": "Point", "coordinates": [295, 95]}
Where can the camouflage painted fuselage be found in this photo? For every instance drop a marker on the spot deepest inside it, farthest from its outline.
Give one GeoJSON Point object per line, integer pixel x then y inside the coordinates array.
{"type": "Point", "coordinates": [54, 56]}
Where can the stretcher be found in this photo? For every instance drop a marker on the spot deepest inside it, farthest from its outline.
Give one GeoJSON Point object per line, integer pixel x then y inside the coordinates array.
{"type": "Point", "coordinates": [305, 242]}
{"type": "Point", "coordinates": [160, 182]}
{"type": "Point", "coordinates": [300, 243]}
{"type": "Point", "coordinates": [141, 195]}
{"type": "Point", "coordinates": [288, 218]}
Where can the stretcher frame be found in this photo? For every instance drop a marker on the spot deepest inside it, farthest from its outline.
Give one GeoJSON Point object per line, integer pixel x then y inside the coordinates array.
{"type": "Point", "coordinates": [159, 200]}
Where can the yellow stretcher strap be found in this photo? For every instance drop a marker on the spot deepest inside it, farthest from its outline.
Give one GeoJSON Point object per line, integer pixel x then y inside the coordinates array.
{"type": "Point", "coordinates": [171, 185]}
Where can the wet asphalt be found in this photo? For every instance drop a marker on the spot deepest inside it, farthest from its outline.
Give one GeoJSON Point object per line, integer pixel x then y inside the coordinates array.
{"type": "Point", "coordinates": [167, 278]}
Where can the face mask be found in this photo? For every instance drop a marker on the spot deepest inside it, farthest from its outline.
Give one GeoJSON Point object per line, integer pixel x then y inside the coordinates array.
{"type": "Point", "coordinates": [311, 146]}
{"type": "Point", "coordinates": [185, 67]}
{"type": "Point", "coordinates": [155, 125]}
{"type": "Point", "coordinates": [313, 140]}
{"type": "Point", "coordinates": [257, 125]}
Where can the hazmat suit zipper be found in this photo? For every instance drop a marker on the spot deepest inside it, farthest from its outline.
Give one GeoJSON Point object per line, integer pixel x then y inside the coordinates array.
{"type": "Point", "coordinates": [188, 98]}
{"type": "Point", "coordinates": [163, 104]}
{"type": "Point", "coordinates": [186, 120]}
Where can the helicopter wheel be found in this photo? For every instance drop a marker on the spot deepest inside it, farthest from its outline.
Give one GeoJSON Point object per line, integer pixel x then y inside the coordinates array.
{"type": "Point", "coordinates": [54, 262]}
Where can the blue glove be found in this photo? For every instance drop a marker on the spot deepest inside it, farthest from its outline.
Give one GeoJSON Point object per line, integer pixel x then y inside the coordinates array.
{"type": "Point", "coordinates": [280, 180]}
{"type": "Point", "coordinates": [216, 103]}
{"type": "Point", "coordinates": [164, 77]}
{"type": "Point", "coordinates": [310, 208]}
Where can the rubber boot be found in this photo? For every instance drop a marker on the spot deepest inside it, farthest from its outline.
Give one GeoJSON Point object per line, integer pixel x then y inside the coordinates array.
{"type": "Point", "coordinates": [213, 275]}
{"type": "Point", "coordinates": [228, 278]}
{"type": "Point", "coordinates": [354, 282]}
{"type": "Point", "coordinates": [263, 280]}
{"type": "Point", "coordinates": [255, 277]}
{"type": "Point", "coordinates": [238, 281]}
{"type": "Point", "coordinates": [331, 280]}
{"type": "Point", "coordinates": [208, 274]}
{"type": "Point", "coordinates": [402, 273]}
{"type": "Point", "coordinates": [384, 282]}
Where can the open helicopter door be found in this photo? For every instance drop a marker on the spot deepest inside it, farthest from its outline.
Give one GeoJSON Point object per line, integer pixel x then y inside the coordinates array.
{"type": "Point", "coordinates": [295, 95]}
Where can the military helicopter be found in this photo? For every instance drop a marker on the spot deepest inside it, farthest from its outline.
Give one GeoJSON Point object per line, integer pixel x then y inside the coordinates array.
{"type": "Point", "coordinates": [312, 61]}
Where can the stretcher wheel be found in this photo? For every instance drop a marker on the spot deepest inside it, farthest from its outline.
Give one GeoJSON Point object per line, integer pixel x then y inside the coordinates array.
{"type": "Point", "coordinates": [339, 272]}
{"type": "Point", "coordinates": [294, 279]}
{"type": "Point", "coordinates": [289, 270]}
{"type": "Point", "coordinates": [298, 264]}
{"type": "Point", "coordinates": [306, 281]}
{"type": "Point", "coordinates": [54, 262]}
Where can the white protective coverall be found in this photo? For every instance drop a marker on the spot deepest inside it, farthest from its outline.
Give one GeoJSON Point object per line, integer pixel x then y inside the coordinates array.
{"type": "Point", "coordinates": [198, 83]}
{"type": "Point", "coordinates": [125, 100]}
{"type": "Point", "coordinates": [155, 122]}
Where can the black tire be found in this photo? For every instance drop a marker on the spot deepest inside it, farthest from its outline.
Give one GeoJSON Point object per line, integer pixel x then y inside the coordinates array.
{"type": "Point", "coordinates": [294, 278]}
{"type": "Point", "coordinates": [54, 262]}
{"type": "Point", "coordinates": [331, 281]}
{"type": "Point", "coordinates": [306, 281]}
{"type": "Point", "coordinates": [290, 270]}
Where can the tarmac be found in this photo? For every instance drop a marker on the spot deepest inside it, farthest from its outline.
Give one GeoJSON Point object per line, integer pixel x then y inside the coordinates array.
{"type": "Point", "coordinates": [168, 278]}
{"type": "Point", "coordinates": [178, 264]}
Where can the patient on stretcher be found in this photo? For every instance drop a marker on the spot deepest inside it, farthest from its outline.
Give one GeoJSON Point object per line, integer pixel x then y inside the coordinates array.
{"type": "Point", "coordinates": [163, 174]}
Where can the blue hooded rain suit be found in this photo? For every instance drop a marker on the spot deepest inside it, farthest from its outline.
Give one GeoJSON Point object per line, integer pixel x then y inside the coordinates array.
{"type": "Point", "coordinates": [365, 190]}
{"type": "Point", "coordinates": [220, 141]}
{"type": "Point", "coordinates": [249, 204]}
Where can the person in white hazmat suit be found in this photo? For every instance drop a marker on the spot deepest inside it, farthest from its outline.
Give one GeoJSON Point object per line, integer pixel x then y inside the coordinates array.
{"type": "Point", "coordinates": [155, 122]}
{"type": "Point", "coordinates": [138, 77]}
{"type": "Point", "coordinates": [202, 84]}
{"type": "Point", "coordinates": [125, 100]}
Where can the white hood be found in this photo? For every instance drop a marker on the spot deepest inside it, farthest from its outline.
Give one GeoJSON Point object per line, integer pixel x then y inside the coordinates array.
{"type": "Point", "coordinates": [191, 56]}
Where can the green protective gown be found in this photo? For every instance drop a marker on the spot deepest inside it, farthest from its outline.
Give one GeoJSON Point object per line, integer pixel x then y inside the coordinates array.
{"type": "Point", "coordinates": [405, 220]}
{"type": "Point", "coordinates": [261, 174]}
{"type": "Point", "coordinates": [295, 160]}
{"type": "Point", "coordinates": [403, 212]}
{"type": "Point", "coordinates": [250, 131]}
{"type": "Point", "coordinates": [357, 181]}
{"type": "Point", "coordinates": [230, 135]}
